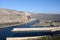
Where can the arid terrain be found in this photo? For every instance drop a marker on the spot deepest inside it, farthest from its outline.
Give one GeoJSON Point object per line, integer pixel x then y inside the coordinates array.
{"type": "Point", "coordinates": [41, 16]}
{"type": "Point", "coordinates": [13, 17]}
{"type": "Point", "coordinates": [9, 18]}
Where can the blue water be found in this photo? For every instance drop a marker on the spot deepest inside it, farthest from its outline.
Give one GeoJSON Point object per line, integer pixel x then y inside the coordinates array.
{"type": "Point", "coordinates": [6, 32]}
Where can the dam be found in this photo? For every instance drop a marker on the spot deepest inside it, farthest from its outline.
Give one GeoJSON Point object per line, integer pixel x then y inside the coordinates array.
{"type": "Point", "coordinates": [36, 29]}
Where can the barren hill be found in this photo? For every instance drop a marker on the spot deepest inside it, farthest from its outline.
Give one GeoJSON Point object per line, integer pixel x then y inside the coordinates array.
{"type": "Point", "coordinates": [8, 16]}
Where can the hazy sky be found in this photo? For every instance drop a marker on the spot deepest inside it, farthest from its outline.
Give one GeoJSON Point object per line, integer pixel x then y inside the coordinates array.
{"type": "Point", "coordinates": [40, 6]}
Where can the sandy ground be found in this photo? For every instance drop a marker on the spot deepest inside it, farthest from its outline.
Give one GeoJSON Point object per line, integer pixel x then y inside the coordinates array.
{"type": "Point", "coordinates": [23, 38]}
{"type": "Point", "coordinates": [10, 24]}
{"type": "Point", "coordinates": [46, 24]}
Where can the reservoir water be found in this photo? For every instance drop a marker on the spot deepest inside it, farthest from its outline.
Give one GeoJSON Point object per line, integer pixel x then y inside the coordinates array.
{"type": "Point", "coordinates": [6, 32]}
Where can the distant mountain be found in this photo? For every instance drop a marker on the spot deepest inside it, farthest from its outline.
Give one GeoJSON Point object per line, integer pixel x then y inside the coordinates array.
{"type": "Point", "coordinates": [52, 17]}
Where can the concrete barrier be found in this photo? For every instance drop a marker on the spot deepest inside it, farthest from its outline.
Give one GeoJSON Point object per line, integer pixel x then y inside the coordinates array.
{"type": "Point", "coordinates": [23, 38]}
{"type": "Point", "coordinates": [36, 29]}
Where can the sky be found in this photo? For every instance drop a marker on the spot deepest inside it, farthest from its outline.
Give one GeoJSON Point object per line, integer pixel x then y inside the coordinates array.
{"type": "Point", "coordinates": [37, 6]}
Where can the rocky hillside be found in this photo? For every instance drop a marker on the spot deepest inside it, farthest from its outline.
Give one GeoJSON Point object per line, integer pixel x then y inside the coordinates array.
{"type": "Point", "coordinates": [8, 16]}
{"type": "Point", "coordinates": [12, 17]}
